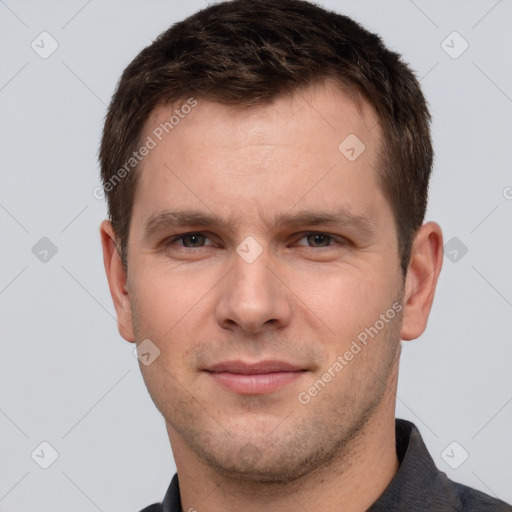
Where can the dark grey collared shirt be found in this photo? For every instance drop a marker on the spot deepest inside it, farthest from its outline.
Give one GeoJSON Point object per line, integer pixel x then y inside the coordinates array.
{"type": "Point", "coordinates": [418, 485]}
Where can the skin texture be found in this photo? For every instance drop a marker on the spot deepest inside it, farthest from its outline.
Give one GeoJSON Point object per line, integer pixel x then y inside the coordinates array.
{"type": "Point", "coordinates": [303, 300]}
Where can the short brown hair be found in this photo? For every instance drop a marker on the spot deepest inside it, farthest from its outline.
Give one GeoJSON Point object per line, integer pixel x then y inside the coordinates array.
{"type": "Point", "coordinates": [247, 52]}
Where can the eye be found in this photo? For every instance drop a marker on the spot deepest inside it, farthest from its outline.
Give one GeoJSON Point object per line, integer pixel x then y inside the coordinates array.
{"type": "Point", "coordinates": [196, 240]}
{"type": "Point", "coordinates": [319, 240]}
{"type": "Point", "coordinates": [189, 240]}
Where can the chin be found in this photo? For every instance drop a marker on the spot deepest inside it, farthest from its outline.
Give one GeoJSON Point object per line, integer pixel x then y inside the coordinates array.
{"type": "Point", "coordinates": [276, 472]}
{"type": "Point", "coordinates": [262, 461]}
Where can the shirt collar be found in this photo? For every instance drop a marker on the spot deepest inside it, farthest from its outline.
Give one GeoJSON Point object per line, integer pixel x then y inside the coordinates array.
{"type": "Point", "coordinates": [418, 484]}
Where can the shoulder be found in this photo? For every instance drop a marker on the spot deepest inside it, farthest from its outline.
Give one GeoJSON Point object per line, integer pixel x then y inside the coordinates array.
{"type": "Point", "coordinates": [472, 500]}
{"type": "Point", "coordinates": [171, 502]}
{"type": "Point", "coordinates": [419, 485]}
{"type": "Point", "coordinates": [157, 507]}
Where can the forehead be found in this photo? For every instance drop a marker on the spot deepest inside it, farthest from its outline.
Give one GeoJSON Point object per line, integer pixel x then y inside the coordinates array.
{"type": "Point", "coordinates": [316, 144]}
{"type": "Point", "coordinates": [324, 106]}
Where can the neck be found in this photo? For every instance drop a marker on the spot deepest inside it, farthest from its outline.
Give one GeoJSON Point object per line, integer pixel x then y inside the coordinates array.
{"type": "Point", "coordinates": [351, 483]}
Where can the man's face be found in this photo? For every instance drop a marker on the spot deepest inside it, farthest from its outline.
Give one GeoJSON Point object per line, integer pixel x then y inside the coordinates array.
{"type": "Point", "coordinates": [275, 299]}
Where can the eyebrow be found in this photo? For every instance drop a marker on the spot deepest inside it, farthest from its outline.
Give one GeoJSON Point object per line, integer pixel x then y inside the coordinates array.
{"type": "Point", "coordinates": [343, 217]}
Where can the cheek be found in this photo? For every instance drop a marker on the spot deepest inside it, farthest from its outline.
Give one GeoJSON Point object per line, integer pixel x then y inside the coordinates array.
{"type": "Point", "coordinates": [345, 300]}
{"type": "Point", "coordinates": [166, 388]}
{"type": "Point", "coordinates": [165, 299]}
{"type": "Point", "coordinates": [174, 310]}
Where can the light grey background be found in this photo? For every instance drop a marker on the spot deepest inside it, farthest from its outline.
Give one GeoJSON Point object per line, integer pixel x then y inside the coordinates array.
{"type": "Point", "coordinates": [68, 378]}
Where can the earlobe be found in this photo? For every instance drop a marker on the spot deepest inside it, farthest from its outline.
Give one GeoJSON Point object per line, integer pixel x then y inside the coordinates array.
{"type": "Point", "coordinates": [116, 277]}
{"type": "Point", "coordinates": [422, 275]}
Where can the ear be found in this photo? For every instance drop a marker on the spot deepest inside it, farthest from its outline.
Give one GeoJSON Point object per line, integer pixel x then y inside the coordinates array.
{"type": "Point", "coordinates": [117, 281]}
{"type": "Point", "coordinates": [422, 274]}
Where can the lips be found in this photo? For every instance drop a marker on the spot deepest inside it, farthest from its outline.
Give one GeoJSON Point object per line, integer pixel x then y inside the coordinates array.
{"type": "Point", "coordinates": [254, 368]}
{"type": "Point", "coordinates": [258, 378]}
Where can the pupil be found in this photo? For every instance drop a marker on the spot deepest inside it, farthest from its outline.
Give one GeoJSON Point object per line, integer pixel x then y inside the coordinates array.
{"type": "Point", "coordinates": [193, 239]}
{"type": "Point", "coordinates": [319, 239]}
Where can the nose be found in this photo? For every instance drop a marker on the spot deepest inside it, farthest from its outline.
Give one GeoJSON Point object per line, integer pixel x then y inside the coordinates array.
{"type": "Point", "coordinates": [253, 296]}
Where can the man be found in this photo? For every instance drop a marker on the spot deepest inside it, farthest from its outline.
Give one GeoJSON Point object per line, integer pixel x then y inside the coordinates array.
{"type": "Point", "coordinates": [266, 166]}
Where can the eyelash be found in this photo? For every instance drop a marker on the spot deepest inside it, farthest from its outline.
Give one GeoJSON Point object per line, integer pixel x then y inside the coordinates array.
{"type": "Point", "coordinates": [332, 238]}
